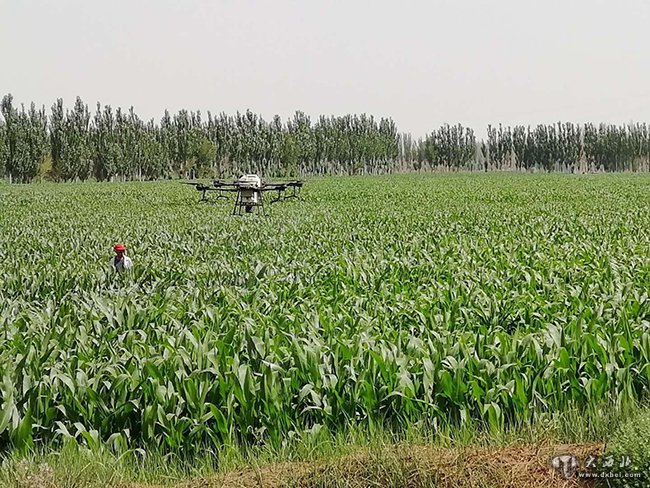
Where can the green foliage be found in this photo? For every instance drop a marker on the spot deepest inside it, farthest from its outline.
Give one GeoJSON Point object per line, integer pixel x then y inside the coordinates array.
{"type": "Point", "coordinates": [24, 140]}
{"type": "Point", "coordinates": [203, 154]}
{"type": "Point", "coordinates": [107, 153]}
{"type": "Point", "coordinates": [450, 146]}
{"type": "Point", "coordinates": [378, 301]}
{"type": "Point", "coordinates": [569, 147]}
{"type": "Point", "coordinates": [72, 156]}
{"type": "Point", "coordinates": [4, 147]}
{"type": "Point", "coordinates": [116, 144]}
{"type": "Point", "coordinates": [632, 440]}
{"type": "Point", "coordinates": [289, 156]}
{"type": "Point", "coordinates": [613, 148]}
{"type": "Point", "coordinates": [499, 147]}
{"type": "Point", "coordinates": [546, 147]}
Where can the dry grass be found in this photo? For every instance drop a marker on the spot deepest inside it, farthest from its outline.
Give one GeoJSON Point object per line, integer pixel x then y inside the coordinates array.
{"type": "Point", "coordinates": [408, 466]}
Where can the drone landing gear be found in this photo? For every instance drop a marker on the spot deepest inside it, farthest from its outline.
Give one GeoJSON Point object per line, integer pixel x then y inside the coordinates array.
{"type": "Point", "coordinates": [282, 195]}
{"type": "Point", "coordinates": [248, 204]}
{"type": "Point", "coordinates": [295, 191]}
{"type": "Point", "coordinates": [204, 194]}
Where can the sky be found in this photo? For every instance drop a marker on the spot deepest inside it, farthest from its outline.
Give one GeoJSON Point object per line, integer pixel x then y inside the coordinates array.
{"type": "Point", "coordinates": [423, 63]}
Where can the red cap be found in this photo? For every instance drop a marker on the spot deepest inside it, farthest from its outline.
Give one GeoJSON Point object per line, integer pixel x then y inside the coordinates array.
{"type": "Point", "coordinates": [119, 247]}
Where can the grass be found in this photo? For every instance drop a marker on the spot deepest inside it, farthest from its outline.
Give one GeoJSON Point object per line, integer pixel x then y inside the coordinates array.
{"type": "Point", "coordinates": [322, 459]}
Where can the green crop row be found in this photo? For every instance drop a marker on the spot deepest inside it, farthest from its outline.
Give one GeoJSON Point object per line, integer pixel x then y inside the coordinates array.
{"type": "Point", "coordinates": [392, 300]}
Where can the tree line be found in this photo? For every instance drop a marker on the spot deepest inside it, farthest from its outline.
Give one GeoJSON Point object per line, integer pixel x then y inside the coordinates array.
{"type": "Point", "coordinates": [74, 144]}
{"type": "Point", "coordinates": [567, 147]}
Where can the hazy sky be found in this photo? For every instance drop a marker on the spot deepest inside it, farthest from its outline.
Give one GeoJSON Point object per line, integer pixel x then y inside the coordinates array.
{"type": "Point", "coordinates": [424, 63]}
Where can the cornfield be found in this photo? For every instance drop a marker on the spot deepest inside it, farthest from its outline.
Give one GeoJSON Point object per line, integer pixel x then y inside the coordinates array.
{"type": "Point", "coordinates": [378, 300]}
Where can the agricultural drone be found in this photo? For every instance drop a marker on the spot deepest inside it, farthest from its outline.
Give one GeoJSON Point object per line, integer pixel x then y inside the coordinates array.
{"type": "Point", "coordinates": [250, 191]}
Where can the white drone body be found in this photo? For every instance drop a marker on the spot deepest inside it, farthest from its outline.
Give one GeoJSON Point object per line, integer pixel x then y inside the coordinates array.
{"type": "Point", "coordinates": [248, 185]}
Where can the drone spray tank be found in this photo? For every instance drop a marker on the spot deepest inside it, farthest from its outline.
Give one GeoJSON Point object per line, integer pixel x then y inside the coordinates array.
{"type": "Point", "coordinates": [248, 184]}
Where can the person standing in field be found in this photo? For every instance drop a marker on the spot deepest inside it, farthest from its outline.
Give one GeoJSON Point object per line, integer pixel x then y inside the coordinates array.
{"type": "Point", "coordinates": [121, 260]}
